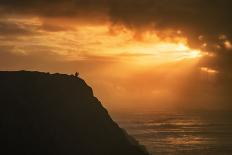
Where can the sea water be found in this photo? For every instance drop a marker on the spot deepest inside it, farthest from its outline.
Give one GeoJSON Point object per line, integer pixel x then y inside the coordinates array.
{"type": "Point", "coordinates": [180, 133]}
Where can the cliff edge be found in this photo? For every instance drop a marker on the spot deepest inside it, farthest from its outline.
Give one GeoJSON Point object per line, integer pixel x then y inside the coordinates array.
{"type": "Point", "coordinates": [42, 113]}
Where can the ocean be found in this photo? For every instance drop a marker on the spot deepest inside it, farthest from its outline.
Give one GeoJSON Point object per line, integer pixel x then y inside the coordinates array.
{"type": "Point", "coordinates": [180, 133]}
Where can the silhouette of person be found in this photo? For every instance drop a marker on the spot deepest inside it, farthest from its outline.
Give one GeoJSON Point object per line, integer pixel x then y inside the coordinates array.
{"type": "Point", "coordinates": [76, 74]}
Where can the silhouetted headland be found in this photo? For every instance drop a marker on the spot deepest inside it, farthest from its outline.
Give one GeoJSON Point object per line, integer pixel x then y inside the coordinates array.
{"type": "Point", "coordinates": [44, 113]}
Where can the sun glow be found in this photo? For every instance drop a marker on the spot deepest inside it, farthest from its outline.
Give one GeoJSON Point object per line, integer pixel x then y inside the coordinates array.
{"type": "Point", "coordinates": [85, 41]}
{"type": "Point", "coordinates": [209, 70]}
{"type": "Point", "coordinates": [125, 45]}
{"type": "Point", "coordinates": [142, 66]}
{"type": "Point", "coordinates": [161, 52]}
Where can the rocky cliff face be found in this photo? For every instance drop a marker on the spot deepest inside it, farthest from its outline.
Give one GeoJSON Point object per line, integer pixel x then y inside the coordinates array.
{"type": "Point", "coordinates": [42, 113]}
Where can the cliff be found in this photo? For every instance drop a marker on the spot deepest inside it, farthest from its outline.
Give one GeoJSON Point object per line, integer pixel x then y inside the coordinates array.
{"type": "Point", "coordinates": [44, 113]}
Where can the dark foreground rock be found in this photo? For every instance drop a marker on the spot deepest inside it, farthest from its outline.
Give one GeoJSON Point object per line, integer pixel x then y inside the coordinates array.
{"type": "Point", "coordinates": [43, 113]}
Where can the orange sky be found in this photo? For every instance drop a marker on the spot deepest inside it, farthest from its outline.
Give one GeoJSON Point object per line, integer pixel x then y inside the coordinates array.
{"type": "Point", "coordinates": [131, 60]}
{"type": "Point", "coordinates": [126, 68]}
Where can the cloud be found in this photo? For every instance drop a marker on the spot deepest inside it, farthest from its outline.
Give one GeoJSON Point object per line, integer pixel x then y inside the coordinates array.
{"type": "Point", "coordinates": [195, 16]}
{"type": "Point", "coordinates": [14, 29]}
{"type": "Point", "coordinates": [209, 19]}
{"type": "Point", "coordinates": [53, 8]}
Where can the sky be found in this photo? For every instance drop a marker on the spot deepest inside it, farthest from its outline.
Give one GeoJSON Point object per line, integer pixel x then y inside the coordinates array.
{"type": "Point", "coordinates": [134, 53]}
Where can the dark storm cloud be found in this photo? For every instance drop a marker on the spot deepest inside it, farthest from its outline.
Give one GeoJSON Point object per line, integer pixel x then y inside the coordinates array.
{"type": "Point", "coordinates": [196, 16]}
{"type": "Point", "coordinates": [52, 8]}
{"type": "Point", "coordinates": [179, 13]}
